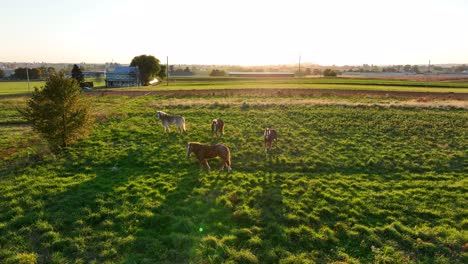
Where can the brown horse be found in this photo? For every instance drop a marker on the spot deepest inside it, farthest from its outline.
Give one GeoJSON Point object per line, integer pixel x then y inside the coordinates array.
{"type": "Point", "coordinates": [217, 126]}
{"type": "Point", "coordinates": [204, 152]}
{"type": "Point", "coordinates": [269, 135]}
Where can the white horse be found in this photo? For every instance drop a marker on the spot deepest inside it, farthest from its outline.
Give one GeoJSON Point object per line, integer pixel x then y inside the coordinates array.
{"type": "Point", "coordinates": [171, 119]}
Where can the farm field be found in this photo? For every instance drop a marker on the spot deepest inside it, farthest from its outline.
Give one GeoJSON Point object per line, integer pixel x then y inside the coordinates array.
{"type": "Point", "coordinates": [195, 83]}
{"type": "Point", "coordinates": [21, 87]}
{"type": "Point", "coordinates": [349, 181]}
{"type": "Point", "coordinates": [215, 83]}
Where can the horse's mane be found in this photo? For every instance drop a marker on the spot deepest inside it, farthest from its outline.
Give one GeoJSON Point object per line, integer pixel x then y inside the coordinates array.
{"type": "Point", "coordinates": [197, 145]}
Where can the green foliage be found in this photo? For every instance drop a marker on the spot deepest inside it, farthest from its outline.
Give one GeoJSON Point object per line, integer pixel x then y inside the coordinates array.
{"type": "Point", "coordinates": [26, 258]}
{"type": "Point", "coordinates": [148, 66]}
{"type": "Point", "coordinates": [329, 73]}
{"type": "Point", "coordinates": [217, 72]}
{"type": "Point", "coordinates": [2, 74]}
{"type": "Point", "coordinates": [77, 74]}
{"type": "Point", "coordinates": [23, 73]}
{"type": "Point", "coordinates": [162, 72]}
{"type": "Point", "coordinates": [59, 112]}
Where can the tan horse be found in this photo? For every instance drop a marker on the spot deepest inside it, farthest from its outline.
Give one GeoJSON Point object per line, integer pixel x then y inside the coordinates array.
{"type": "Point", "coordinates": [171, 119]}
{"type": "Point", "coordinates": [204, 152]}
{"type": "Point", "coordinates": [217, 126]}
{"type": "Point", "coordinates": [270, 135]}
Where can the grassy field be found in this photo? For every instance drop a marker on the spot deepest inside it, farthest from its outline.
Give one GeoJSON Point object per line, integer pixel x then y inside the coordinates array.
{"type": "Point", "coordinates": [308, 83]}
{"type": "Point", "coordinates": [21, 87]}
{"type": "Point", "coordinates": [194, 83]}
{"type": "Point", "coordinates": [344, 184]}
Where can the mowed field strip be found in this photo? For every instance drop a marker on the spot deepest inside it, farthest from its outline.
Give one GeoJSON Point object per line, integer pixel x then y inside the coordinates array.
{"type": "Point", "coordinates": [352, 179]}
{"type": "Point", "coordinates": [196, 83]}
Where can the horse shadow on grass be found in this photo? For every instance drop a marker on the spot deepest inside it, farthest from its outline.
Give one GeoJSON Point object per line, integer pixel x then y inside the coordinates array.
{"type": "Point", "coordinates": [188, 213]}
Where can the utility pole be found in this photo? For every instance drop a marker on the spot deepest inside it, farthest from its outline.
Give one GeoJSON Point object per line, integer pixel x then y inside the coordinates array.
{"type": "Point", "coordinates": [299, 65]}
{"type": "Point", "coordinates": [167, 70]}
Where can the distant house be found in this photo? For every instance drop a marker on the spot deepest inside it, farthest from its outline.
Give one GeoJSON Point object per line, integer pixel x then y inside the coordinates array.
{"type": "Point", "coordinates": [261, 74]}
{"type": "Point", "coordinates": [123, 76]}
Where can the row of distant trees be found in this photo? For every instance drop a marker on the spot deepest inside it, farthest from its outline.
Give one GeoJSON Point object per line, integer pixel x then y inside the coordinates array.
{"type": "Point", "coordinates": [34, 73]}
{"type": "Point", "coordinates": [173, 69]}
{"type": "Point", "coordinates": [151, 68]}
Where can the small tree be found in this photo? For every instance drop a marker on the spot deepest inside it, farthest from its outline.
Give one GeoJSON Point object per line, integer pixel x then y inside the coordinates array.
{"type": "Point", "coordinates": [148, 66]}
{"type": "Point", "coordinates": [217, 72]}
{"type": "Point", "coordinates": [77, 74]}
{"type": "Point", "coordinates": [59, 112]}
{"type": "Point", "coordinates": [2, 74]}
{"type": "Point", "coordinates": [329, 73]}
{"type": "Point", "coordinates": [162, 72]}
{"type": "Point", "coordinates": [415, 68]}
{"type": "Point", "coordinates": [51, 71]}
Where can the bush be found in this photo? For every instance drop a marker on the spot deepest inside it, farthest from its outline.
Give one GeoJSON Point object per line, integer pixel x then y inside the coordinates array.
{"type": "Point", "coordinates": [59, 112]}
{"type": "Point", "coordinates": [329, 73]}
{"type": "Point", "coordinates": [217, 72]}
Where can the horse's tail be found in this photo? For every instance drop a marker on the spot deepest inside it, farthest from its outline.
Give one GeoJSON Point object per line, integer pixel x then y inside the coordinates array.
{"type": "Point", "coordinates": [221, 126]}
{"type": "Point", "coordinates": [183, 124]}
{"type": "Point", "coordinates": [213, 126]}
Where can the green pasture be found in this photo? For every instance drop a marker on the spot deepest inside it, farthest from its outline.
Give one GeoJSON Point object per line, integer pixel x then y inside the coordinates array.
{"type": "Point", "coordinates": [343, 184]}
{"type": "Point", "coordinates": [195, 83]}
{"type": "Point", "coordinates": [21, 87]}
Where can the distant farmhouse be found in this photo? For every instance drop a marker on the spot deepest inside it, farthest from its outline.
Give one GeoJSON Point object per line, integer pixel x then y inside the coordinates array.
{"type": "Point", "coordinates": [123, 76]}
{"type": "Point", "coordinates": [261, 74]}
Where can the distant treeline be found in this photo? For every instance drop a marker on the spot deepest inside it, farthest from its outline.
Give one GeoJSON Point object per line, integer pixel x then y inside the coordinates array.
{"type": "Point", "coordinates": [40, 73]}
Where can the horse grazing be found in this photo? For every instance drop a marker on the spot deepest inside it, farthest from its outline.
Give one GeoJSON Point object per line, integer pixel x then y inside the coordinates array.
{"type": "Point", "coordinates": [171, 119]}
{"type": "Point", "coordinates": [217, 126]}
{"type": "Point", "coordinates": [269, 135]}
{"type": "Point", "coordinates": [204, 152]}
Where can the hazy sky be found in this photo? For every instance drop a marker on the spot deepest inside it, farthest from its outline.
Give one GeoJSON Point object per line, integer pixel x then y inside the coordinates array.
{"type": "Point", "coordinates": [250, 32]}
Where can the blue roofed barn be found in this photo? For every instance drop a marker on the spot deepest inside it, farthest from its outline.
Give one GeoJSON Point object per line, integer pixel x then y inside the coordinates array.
{"type": "Point", "coordinates": [123, 76]}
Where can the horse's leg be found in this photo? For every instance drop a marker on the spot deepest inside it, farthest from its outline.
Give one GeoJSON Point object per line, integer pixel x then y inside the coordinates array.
{"type": "Point", "coordinates": [223, 163]}
{"type": "Point", "coordinates": [205, 162]}
{"type": "Point", "coordinates": [228, 165]}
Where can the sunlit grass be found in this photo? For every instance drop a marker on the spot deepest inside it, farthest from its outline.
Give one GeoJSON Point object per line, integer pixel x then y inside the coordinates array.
{"type": "Point", "coordinates": [353, 184]}
{"type": "Point", "coordinates": [21, 87]}
{"type": "Point", "coordinates": [196, 83]}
